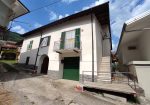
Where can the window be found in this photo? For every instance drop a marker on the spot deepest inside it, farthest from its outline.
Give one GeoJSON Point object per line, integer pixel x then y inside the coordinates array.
{"type": "Point", "coordinates": [70, 39]}
{"type": "Point", "coordinates": [29, 46]}
{"type": "Point", "coordinates": [45, 41]}
{"type": "Point", "coordinates": [27, 60]}
{"type": "Point", "coordinates": [131, 47]}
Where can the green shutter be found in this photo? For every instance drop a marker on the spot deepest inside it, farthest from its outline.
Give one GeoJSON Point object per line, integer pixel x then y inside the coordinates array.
{"type": "Point", "coordinates": [31, 43]}
{"type": "Point", "coordinates": [49, 37]}
{"type": "Point", "coordinates": [77, 38]}
{"type": "Point", "coordinates": [62, 44]}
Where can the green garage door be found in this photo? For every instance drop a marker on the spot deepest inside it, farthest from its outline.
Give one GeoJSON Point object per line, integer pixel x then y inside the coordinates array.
{"type": "Point", "coordinates": [71, 68]}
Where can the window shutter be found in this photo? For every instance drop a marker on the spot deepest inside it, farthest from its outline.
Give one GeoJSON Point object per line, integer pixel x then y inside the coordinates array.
{"type": "Point", "coordinates": [31, 43]}
{"type": "Point", "coordinates": [62, 40]}
{"type": "Point", "coordinates": [77, 38]}
{"type": "Point", "coordinates": [28, 47]}
{"type": "Point", "coordinates": [49, 37]}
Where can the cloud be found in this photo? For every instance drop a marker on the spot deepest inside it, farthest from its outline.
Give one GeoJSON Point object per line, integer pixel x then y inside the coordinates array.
{"type": "Point", "coordinates": [98, 2]}
{"type": "Point", "coordinates": [18, 29]}
{"type": "Point", "coordinates": [121, 11]}
{"type": "Point", "coordinates": [69, 1]}
{"type": "Point", "coordinates": [60, 17]}
{"type": "Point", "coordinates": [52, 16]}
{"type": "Point", "coordinates": [37, 25]}
{"type": "Point", "coordinates": [114, 45]}
{"type": "Point", "coordinates": [66, 15]}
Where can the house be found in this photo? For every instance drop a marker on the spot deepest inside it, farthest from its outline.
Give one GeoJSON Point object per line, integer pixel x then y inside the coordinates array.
{"type": "Point", "coordinates": [134, 51]}
{"type": "Point", "coordinates": [10, 9]}
{"type": "Point", "coordinates": [10, 49]}
{"type": "Point", "coordinates": [76, 47]}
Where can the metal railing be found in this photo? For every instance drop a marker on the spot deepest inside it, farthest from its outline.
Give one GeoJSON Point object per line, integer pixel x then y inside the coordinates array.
{"type": "Point", "coordinates": [115, 77]}
{"type": "Point", "coordinates": [68, 44]}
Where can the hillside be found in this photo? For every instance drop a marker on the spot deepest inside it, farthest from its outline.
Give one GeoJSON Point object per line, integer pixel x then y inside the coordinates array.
{"type": "Point", "coordinates": [13, 36]}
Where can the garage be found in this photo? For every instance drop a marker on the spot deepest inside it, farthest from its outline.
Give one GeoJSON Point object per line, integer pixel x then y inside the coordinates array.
{"type": "Point", "coordinates": [71, 68]}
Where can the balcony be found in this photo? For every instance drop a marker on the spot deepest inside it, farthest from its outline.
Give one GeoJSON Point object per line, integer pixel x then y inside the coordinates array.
{"type": "Point", "coordinates": [70, 45]}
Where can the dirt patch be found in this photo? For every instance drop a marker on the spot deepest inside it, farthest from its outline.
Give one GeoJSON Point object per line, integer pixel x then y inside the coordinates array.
{"type": "Point", "coordinates": [6, 97]}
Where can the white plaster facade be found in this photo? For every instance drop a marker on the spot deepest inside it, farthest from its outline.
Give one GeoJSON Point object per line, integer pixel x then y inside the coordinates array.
{"type": "Point", "coordinates": [101, 48]}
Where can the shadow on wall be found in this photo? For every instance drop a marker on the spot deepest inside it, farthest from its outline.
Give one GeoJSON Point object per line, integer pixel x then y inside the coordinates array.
{"type": "Point", "coordinates": [33, 55]}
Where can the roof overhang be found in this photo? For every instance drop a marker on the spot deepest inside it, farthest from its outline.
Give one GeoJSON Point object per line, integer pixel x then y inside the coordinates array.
{"type": "Point", "coordinates": [100, 11]}
{"type": "Point", "coordinates": [17, 8]}
{"type": "Point", "coordinates": [135, 27]}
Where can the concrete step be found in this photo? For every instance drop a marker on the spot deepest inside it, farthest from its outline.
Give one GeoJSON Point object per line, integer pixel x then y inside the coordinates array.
{"type": "Point", "coordinates": [105, 60]}
{"type": "Point", "coordinates": [105, 57]}
{"type": "Point", "coordinates": [105, 63]}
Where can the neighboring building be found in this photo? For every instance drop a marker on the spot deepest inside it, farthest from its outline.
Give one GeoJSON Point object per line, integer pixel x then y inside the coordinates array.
{"type": "Point", "coordinates": [9, 10]}
{"type": "Point", "coordinates": [134, 49]}
{"type": "Point", "coordinates": [10, 49]}
{"type": "Point", "coordinates": [70, 48]}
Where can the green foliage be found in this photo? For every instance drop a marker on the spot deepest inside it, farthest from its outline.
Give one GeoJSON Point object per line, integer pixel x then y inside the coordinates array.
{"type": "Point", "coordinates": [8, 61]}
{"type": "Point", "coordinates": [13, 36]}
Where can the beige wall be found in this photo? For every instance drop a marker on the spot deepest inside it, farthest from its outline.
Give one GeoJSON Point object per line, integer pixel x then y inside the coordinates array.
{"type": "Point", "coordinates": [144, 45]}
{"type": "Point", "coordinates": [126, 55]}
{"type": "Point", "coordinates": [142, 53]}
{"type": "Point", "coordinates": [142, 70]}
{"type": "Point", "coordinates": [143, 73]}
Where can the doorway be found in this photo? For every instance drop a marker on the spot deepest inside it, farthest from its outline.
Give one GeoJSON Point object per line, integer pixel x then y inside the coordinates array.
{"type": "Point", "coordinates": [27, 60]}
{"type": "Point", "coordinates": [44, 65]}
{"type": "Point", "coordinates": [71, 68]}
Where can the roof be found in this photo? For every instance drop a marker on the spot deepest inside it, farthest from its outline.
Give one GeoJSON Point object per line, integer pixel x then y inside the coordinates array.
{"type": "Point", "coordinates": [26, 10]}
{"type": "Point", "coordinates": [134, 26]}
{"type": "Point", "coordinates": [100, 11]}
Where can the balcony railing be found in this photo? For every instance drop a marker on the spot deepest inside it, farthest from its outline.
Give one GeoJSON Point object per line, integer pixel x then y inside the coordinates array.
{"type": "Point", "coordinates": [68, 45]}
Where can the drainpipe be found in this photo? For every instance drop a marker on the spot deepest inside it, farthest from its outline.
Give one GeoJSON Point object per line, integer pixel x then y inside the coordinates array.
{"type": "Point", "coordinates": [38, 50]}
{"type": "Point", "coordinates": [92, 48]}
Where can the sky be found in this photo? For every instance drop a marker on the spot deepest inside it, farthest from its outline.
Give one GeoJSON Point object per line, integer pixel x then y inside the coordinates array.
{"type": "Point", "coordinates": [120, 11]}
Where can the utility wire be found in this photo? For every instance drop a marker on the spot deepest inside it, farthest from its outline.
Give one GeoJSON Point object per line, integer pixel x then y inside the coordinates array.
{"type": "Point", "coordinates": [45, 6]}
{"type": "Point", "coordinates": [37, 10]}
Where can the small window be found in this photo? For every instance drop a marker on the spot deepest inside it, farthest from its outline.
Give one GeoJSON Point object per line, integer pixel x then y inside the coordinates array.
{"type": "Point", "coordinates": [132, 48]}
{"type": "Point", "coordinates": [29, 46]}
{"type": "Point", "coordinates": [27, 60]}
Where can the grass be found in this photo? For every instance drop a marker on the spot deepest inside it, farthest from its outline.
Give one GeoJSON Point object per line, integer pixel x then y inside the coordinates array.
{"type": "Point", "coordinates": [7, 64]}
{"type": "Point", "coordinates": [8, 61]}
{"type": "Point", "coordinates": [9, 67]}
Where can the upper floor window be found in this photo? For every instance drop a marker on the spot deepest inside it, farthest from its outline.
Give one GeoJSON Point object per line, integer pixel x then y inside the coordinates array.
{"type": "Point", "coordinates": [70, 39]}
{"type": "Point", "coordinates": [45, 41]}
{"type": "Point", "coordinates": [29, 46]}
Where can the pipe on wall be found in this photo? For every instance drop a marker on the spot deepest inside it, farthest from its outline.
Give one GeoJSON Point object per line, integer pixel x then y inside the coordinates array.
{"type": "Point", "coordinates": [37, 54]}
{"type": "Point", "coordinates": [92, 48]}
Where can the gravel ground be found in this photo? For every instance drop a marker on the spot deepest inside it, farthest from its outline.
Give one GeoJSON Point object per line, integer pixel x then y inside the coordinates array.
{"type": "Point", "coordinates": [27, 89]}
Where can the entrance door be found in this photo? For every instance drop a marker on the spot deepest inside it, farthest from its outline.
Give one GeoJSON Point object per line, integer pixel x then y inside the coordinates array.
{"type": "Point", "coordinates": [27, 60]}
{"type": "Point", "coordinates": [44, 67]}
{"type": "Point", "coordinates": [71, 68]}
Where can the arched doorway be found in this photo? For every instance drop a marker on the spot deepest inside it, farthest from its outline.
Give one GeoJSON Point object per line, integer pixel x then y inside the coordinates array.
{"type": "Point", "coordinates": [44, 65]}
